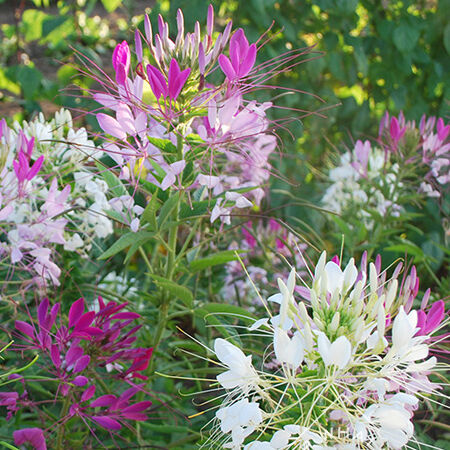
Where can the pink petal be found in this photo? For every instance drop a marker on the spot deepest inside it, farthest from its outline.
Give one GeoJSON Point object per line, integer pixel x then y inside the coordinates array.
{"type": "Point", "coordinates": [82, 363]}
{"type": "Point", "coordinates": [35, 168]}
{"type": "Point", "coordinates": [111, 126]}
{"type": "Point", "coordinates": [435, 316]}
{"type": "Point", "coordinates": [6, 211]}
{"type": "Point", "coordinates": [248, 62]}
{"type": "Point", "coordinates": [88, 393]}
{"type": "Point", "coordinates": [76, 311]}
{"type": "Point", "coordinates": [80, 381]}
{"type": "Point", "coordinates": [126, 119]}
{"type": "Point", "coordinates": [107, 422]}
{"type": "Point", "coordinates": [104, 400]}
{"type": "Point", "coordinates": [25, 328]}
{"type": "Point", "coordinates": [226, 67]}
{"type": "Point", "coordinates": [42, 311]}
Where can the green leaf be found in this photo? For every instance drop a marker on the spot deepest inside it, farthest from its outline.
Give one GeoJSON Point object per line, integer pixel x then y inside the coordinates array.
{"type": "Point", "coordinates": [32, 20]}
{"type": "Point", "coordinates": [139, 238]}
{"type": "Point", "coordinates": [8, 84]}
{"type": "Point", "coordinates": [113, 182]}
{"type": "Point", "coordinates": [167, 208]}
{"type": "Point", "coordinates": [447, 38]}
{"type": "Point", "coordinates": [214, 260]}
{"type": "Point", "coordinates": [111, 5]}
{"type": "Point", "coordinates": [51, 23]}
{"type": "Point", "coordinates": [227, 309]}
{"type": "Point", "coordinates": [163, 144]}
{"type": "Point", "coordinates": [179, 291]}
{"type": "Point", "coordinates": [197, 209]}
{"type": "Point", "coordinates": [29, 79]}
{"type": "Point", "coordinates": [408, 248]}
{"type": "Point", "coordinates": [149, 213]}
{"type": "Point", "coordinates": [405, 37]}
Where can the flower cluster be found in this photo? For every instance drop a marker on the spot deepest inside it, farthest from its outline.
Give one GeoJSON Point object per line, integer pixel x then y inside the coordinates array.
{"type": "Point", "coordinates": [30, 211]}
{"type": "Point", "coordinates": [376, 178]}
{"type": "Point", "coordinates": [426, 145]}
{"type": "Point", "coordinates": [53, 197]}
{"type": "Point", "coordinates": [78, 358]}
{"type": "Point", "coordinates": [175, 129]}
{"type": "Point", "coordinates": [344, 369]}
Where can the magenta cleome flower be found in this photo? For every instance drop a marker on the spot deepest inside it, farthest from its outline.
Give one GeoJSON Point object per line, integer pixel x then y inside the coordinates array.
{"type": "Point", "coordinates": [176, 80]}
{"type": "Point", "coordinates": [242, 57]}
{"type": "Point", "coordinates": [428, 322]}
{"type": "Point", "coordinates": [32, 436]}
{"type": "Point", "coordinates": [121, 60]}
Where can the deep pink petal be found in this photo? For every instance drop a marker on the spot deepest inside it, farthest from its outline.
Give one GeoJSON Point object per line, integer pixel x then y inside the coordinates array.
{"type": "Point", "coordinates": [82, 363]}
{"type": "Point", "coordinates": [33, 436]}
{"type": "Point", "coordinates": [126, 315]}
{"type": "Point", "coordinates": [394, 129]}
{"type": "Point", "coordinates": [84, 321]}
{"type": "Point", "coordinates": [73, 354]}
{"type": "Point", "coordinates": [55, 355]}
{"type": "Point", "coordinates": [137, 407]}
{"type": "Point", "coordinates": [226, 67]}
{"type": "Point", "coordinates": [80, 381]}
{"type": "Point", "coordinates": [173, 82]}
{"type": "Point", "coordinates": [421, 321]}
{"type": "Point", "coordinates": [107, 422]}
{"type": "Point", "coordinates": [76, 311]}
{"type": "Point", "coordinates": [88, 393]}
{"type": "Point", "coordinates": [134, 416]}
{"type": "Point", "coordinates": [157, 81]}
{"type": "Point", "coordinates": [435, 316]}
{"type": "Point", "coordinates": [25, 328]}
{"type": "Point", "coordinates": [104, 400]}
{"type": "Point", "coordinates": [182, 78]}
{"type": "Point", "coordinates": [35, 168]}
{"type": "Point", "coordinates": [42, 311]}
{"type": "Point", "coordinates": [248, 62]}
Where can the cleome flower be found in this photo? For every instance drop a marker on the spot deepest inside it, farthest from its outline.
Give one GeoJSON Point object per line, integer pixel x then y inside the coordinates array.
{"type": "Point", "coordinates": [346, 369]}
{"type": "Point", "coordinates": [78, 355]}
{"type": "Point", "coordinates": [405, 160]}
{"type": "Point", "coordinates": [191, 121]}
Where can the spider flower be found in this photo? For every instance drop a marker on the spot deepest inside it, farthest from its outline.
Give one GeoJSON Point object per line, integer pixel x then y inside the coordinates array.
{"type": "Point", "coordinates": [345, 369]}
{"type": "Point", "coordinates": [192, 122]}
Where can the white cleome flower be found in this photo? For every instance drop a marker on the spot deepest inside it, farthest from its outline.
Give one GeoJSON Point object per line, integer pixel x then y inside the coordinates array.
{"type": "Point", "coordinates": [289, 351]}
{"type": "Point", "coordinates": [241, 419]}
{"type": "Point", "coordinates": [240, 373]}
{"type": "Point", "coordinates": [337, 353]}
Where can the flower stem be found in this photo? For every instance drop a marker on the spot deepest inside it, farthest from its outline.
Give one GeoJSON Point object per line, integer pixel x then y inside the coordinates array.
{"type": "Point", "coordinates": [62, 427]}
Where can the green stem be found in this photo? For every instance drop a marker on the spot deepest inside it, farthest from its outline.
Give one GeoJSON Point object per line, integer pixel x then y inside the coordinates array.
{"type": "Point", "coordinates": [165, 296]}
{"type": "Point", "coordinates": [62, 427]}
{"type": "Point", "coordinates": [147, 262]}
